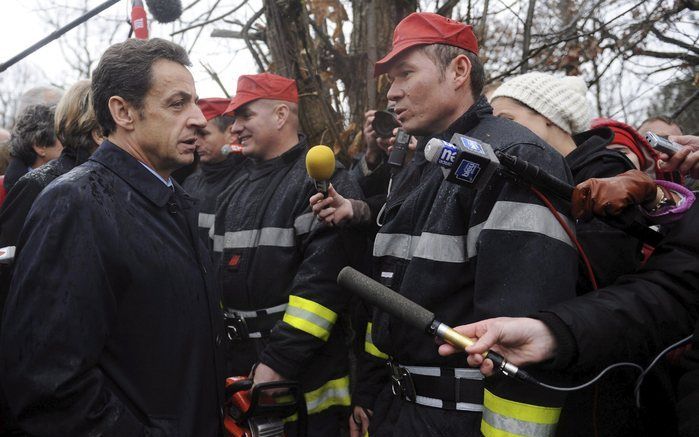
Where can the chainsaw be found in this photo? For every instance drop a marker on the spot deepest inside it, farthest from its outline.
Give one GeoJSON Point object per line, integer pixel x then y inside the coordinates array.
{"type": "Point", "coordinates": [260, 410]}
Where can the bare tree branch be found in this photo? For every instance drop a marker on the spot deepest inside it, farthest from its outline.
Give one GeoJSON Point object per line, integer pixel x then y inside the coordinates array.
{"type": "Point", "coordinates": [209, 21]}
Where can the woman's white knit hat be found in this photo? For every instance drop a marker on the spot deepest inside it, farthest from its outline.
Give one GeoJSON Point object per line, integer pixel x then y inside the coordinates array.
{"type": "Point", "coordinates": [560, 99]}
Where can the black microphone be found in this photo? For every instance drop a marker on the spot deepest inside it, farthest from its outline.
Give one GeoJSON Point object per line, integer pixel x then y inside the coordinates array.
{"type": "Point", "coordinates": [472, 163]}
{"type": "Point", "coordinates": [413, 314]}
{"type": "Point", "coordinates": [165, 11]}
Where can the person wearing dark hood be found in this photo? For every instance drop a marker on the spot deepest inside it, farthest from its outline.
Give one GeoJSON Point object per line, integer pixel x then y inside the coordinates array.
{"type": "Point", "coordinates": [112, 325]}
{"type": "Point", "coordinates": [457, 251]}
{"type": "Point", "coordinates": [33, 142]}
{"type": "Point", "coordinates": [77, 129]}
{"type": "Point", "coordinates": [216, 171]}
{"type": "Point", "coordinates": [278, 266]}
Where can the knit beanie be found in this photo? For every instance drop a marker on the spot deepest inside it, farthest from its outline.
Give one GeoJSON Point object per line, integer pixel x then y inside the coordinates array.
{"type": "Point", "coordinates": [560, 99]}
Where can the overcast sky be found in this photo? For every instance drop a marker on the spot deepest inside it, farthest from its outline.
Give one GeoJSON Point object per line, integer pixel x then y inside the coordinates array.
{"type": "Point", "coordinates": [23, 25]}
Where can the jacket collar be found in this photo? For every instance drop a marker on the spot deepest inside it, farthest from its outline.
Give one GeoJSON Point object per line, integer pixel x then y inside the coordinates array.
{"type": "Point", "coordinates": [261, 169]}
{"type": "Point", "coordinates": [133, 173]}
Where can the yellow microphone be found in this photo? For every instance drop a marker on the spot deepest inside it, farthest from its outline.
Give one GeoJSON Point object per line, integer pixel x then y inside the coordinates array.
{"type": "Point", "coordinates": [320, 164]}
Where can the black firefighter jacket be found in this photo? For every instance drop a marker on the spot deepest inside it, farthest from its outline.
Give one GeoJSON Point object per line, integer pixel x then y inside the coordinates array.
{"type": "Point", "coordinates": [112, 322]}
{"type": "Point", "coordinates": [468, 255]}
{"type": "Point", "coordinates": [272, 253]}
{"type": "Point", "coordinates": [206, 184]}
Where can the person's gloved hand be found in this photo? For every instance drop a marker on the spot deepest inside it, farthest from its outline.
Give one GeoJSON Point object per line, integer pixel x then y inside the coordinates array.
{"type": "Point", "coordinates": [610, 196]}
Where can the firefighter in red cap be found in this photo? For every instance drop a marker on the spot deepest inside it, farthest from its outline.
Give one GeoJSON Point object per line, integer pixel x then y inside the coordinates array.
{"type": "Point", "coordinates": [216, 168]}
{"type": "Point", "coordinates": [464, 254]}
{"type": "Point", "coordinates": [277, 264]}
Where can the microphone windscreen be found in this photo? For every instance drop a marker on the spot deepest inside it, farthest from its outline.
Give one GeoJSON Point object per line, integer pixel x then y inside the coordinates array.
{"type": "Point", "coordinates": [320, 163]}
{"type": "Point", "coordinates": [385, 299]}
{"type": "Point", "coordinates": [165, 11]}
{"type": "Point", "coordinates": [433, 149]}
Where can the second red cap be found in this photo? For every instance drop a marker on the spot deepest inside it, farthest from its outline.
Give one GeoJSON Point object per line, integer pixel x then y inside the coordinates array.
{"type": "Point", "coordinates": [263, 86]}
{"type": "Point", "coordinates": [422, 28]}
{"type": "Point", "coordinates": [213, 107]}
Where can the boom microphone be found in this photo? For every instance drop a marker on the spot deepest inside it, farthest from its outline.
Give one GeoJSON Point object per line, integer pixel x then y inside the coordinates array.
{"type": "Point", "coordinates": [320, 164]}
{"type": "Point", "coordinates": [413, 314]}
{"type": "Point", "coordinates": [165, 11]}
{"type": "Point", "coordinates": [139, 21]}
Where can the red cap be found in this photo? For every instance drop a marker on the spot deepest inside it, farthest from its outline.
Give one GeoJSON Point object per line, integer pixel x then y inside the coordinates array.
{"type": "Point", "coordinates": [422, 28]}
{"type": "Point", "coordinates": [263, 86]}
{"type": "Point", "coordinates": [213, 106]}
{"type": "Point", "coordinates": [629, 137]}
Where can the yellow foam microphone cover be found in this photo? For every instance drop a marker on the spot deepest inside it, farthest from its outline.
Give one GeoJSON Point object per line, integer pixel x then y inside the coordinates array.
{"type": "Point", "coordinates": [320, 163]}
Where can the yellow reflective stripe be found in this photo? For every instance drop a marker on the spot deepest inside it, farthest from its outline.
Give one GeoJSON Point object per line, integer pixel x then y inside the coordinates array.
{"type": "Point", "coordinates": [528, 412]}
{"type": "Point", "coordinates": [333, 392]}
{"type": "Point", "coordinates": [504, 417]}
{"type": "Point", "coordinates": [370, 347]}
{"type": "Point", "coordinates": [310, 317]}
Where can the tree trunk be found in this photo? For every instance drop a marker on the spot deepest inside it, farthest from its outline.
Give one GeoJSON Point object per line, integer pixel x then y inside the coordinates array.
{"type": "Point", "coordinates": [363, 90]}
{"type": "Point", "coordinates": [294, 56]}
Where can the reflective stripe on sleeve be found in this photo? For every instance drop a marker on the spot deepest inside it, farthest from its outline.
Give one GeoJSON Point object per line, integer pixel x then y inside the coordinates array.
{"type": "Point", "coordinates": [332, 393]}
{"type": "Point", "coordinates": [506, 418]}
{"type": "Point", "coordinates": [306, 223]}
{"type": "Point", "coordinates": [430, 246]}
{"type": "Point", "coordinates": [206, 220]}
{"type": "Point", "coordinates": [310, 317]}
{"type": "Point", "coordinates": [275, 237]}
{"type": "Point", "coordinates": [370, 347]}
{"type": "Point", "coordinates": [520, 217]}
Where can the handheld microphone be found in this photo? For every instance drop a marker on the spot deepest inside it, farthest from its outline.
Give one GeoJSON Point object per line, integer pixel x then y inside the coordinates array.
{"type": "Point", "coordinates": [165, 11]}
{"type": "Point", "coordinates": [235, 149]}
{"type": "Point", "coordinates": [400, 149]}
{"type": "Point", "coordinates": [413, 314]}
{"type": "Point", "coordinates": [139, 20]}
{"type": "Point", "coordinates": [320, 164]}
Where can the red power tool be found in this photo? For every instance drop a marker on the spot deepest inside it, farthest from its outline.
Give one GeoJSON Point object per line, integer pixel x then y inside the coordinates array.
{"type": "Point", "coordinates": [260, 410]}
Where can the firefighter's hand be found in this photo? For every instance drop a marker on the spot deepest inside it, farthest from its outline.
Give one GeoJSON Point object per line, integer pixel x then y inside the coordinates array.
{"type": "Point", "coordinates": [264, 373]}
{"type": "Point", "coordinates": [333, 209]}
{"type": "Point", "coordinates": [610, 196]}
{"type": "Point", "coordinates": [359, 421]}
{"type": "Point", "coordinates": [686, 161]}
{"type": "Point", "coordinates": [520, 340]}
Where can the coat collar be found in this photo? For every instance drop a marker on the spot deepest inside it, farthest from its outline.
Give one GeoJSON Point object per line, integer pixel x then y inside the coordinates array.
{"type": "Point", "coordinates": [133, 173]}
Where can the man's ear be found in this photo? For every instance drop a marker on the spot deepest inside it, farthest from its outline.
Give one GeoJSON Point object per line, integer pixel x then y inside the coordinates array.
{"type": "Point", "coordinates": [460, 69]}
{"type": "Point", "coordinates": [123, 113]}
{"type": "Point", "coordinates": [281, 114]}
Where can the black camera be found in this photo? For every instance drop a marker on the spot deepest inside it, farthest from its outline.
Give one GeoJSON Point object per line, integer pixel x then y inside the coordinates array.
{"type": "Point", "coordinates": [384, 123]}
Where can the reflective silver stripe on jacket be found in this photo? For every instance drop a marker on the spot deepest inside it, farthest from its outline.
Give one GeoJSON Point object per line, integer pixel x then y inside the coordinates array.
{"type": "Point", "coordinates": [431, 246]}
{"type": "Point", "coordinates": [520, 217]}
{"type": "Point", "coordinates": [229, 312]}
{"type": "Point", "coordinates": [518, 427]}
{"type": "Point", "coordinates": [460, 373]}
{"type": "Point", "coordinates": [206, 220]}
{"type": "Point", "coordinates": [306, 223]}
{"type": "Point", "coordinates": [274, 237]}
{"type": "Point", "coordinates": [437, 403]}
